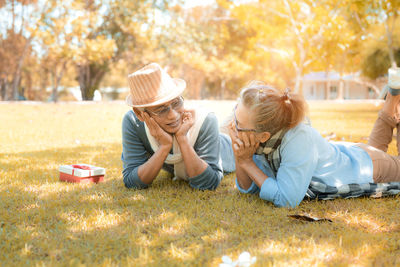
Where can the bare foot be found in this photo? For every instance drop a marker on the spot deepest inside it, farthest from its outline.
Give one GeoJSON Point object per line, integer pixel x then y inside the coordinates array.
{"type": "Point", "coordinates": [392, 106]}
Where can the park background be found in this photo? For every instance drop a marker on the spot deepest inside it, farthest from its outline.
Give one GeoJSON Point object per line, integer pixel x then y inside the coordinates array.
{"type": "Point", "coordinates": [65, 50]}
{"type": "Point", "coordinates": [60, 51]}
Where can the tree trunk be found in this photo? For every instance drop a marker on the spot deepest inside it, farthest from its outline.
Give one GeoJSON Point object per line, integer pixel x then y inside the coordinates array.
{"type": "Point", "coordinates": [299, 77]}
{"type": "Point", "coordinates": [3, 89]}
{"type": "Point", "coordinates": [56, 80]}
{"type": "Point", "coordinates": [297, 82]}
{"type": "Point", "coordinates": [303, 51]}
{"type": "Point", "coordinates": [300, 67]}
{"type": "Point", "coordinates": [389, 36]}
{"type": "Point", "coordinates": [17, 74]}
{"type": "Point", "coordinates": [194, 81]}
{"type": "Point", "coordinates": [43, 82]}
{"type": "Point", "coordinates": [223, 85]}
{"type": "Point", "coordinates": [13, 15]}
{"type": "Point", "coordinates": [340, 95]}
{"type": "Point", "coordinates": [89, 77]}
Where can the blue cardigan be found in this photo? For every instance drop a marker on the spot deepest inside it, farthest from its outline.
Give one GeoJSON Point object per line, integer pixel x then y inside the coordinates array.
{"type": "Point", "coordinates": [306, 154]}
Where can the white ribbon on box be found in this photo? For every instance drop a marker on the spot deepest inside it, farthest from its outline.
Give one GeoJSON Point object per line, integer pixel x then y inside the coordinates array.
{"type": "Point", "coordinates": [94, 171]}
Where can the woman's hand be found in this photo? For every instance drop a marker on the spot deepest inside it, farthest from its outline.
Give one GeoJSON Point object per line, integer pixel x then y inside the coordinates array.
{"type": "Point", "coordinates": [162, 137]}
{"type": "Point", "coordinates": [188, 118]}
{"type": "Point", "coordinates": [244, 145]}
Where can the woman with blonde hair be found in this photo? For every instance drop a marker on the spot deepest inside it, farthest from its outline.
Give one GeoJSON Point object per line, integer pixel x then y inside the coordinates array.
{"type": "Point", "coordinates": [279, 156]}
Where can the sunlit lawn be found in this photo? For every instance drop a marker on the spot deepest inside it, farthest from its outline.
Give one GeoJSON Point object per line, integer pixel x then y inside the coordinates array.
{"type": "Point", "coordinates": [47, 222]}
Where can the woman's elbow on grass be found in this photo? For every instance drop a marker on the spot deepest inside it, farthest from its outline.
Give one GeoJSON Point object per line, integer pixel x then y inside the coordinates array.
{"type": "Point", "coordinates": [280, 200]}
{"type": "Point", "coordinates": [287, 202]}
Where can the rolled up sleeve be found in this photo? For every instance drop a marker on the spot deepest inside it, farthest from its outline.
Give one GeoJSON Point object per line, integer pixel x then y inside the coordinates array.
{"type": "Point", "coordinates": [253, 189]}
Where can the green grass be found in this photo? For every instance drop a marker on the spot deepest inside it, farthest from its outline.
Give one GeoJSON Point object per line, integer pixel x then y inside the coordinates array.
{"type": "Point", "coordinates": [44, 222]}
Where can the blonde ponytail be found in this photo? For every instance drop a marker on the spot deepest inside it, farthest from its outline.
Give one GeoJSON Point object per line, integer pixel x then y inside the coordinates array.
{"type": "Point", "coordinates": [272, 109]}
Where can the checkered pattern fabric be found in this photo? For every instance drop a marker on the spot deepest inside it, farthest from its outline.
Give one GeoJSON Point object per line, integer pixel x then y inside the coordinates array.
{"type": "Point", "coordinates": [319, 190]}
{"type": "Point", "coordinates": [271, 150]}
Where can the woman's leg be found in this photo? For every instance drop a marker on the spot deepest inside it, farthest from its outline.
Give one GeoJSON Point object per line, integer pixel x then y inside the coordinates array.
{"type": "Point", "coordinates": [382, 132]}
{"type": "Point", "coordinates": [386, 167]}
{"type": "Point", "coordinates": [398, 139]}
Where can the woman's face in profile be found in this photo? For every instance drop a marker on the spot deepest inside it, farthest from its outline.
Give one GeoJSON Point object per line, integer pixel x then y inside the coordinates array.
{"type": "Point", "coordinates": [243, 119]}
{"type": "Point", "coordinates": [244, 123]}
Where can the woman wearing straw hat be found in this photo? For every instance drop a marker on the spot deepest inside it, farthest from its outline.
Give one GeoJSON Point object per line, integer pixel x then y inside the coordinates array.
{"type": "Point", "coordinates": [160, 133]}
{"type": "Point", "coordinates": [283, 159]}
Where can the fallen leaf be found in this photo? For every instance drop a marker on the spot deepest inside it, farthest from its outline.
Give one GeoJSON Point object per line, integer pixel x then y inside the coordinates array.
{"type": "Point", "coordinates": [308, 218]}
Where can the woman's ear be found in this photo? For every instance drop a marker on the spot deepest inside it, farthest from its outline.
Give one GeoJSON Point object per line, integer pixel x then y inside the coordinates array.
{"type": "Point", "coordinates": [139, 113]}
{"type": "Point", "coordinates": [264, 136]}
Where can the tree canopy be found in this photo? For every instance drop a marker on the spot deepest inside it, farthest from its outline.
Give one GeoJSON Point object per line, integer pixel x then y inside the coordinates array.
{"type": "Point", "coordinates": [217, 48]}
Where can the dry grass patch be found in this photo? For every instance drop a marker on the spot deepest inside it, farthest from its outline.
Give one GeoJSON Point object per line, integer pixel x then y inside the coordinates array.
{"type": "Point", "coordinates": [47, 222]}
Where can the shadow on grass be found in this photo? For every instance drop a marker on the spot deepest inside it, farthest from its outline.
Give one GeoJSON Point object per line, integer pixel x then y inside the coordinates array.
{"type": "Point", "coordinates": [45, 221]}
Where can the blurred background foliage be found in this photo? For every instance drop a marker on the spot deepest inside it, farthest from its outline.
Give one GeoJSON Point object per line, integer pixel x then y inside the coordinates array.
{"type": "Point", "coordinates": [48, 46]}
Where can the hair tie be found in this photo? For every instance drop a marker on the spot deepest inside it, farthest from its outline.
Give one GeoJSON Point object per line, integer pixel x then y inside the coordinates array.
{"type": "Point", "coordinates": [260, 93]}
{"type": "Point", "coordinates": [286, 95]}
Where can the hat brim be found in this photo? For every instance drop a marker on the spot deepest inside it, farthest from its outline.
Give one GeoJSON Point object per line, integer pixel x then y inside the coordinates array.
{"type": "Point", "coordinates": [175, 92]}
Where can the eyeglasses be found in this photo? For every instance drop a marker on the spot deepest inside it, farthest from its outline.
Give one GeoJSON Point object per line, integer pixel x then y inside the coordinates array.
{"type": "Point", "coordinates": [236, 123]}
{"type": "Point", "coordinates": [162, 111]}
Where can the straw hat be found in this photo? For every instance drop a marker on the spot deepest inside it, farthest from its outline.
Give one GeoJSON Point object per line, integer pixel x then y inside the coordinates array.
{"type": "Point", "coordinates": [152, 86]}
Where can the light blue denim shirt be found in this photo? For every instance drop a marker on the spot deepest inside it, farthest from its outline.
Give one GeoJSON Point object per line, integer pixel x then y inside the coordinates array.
{"type": "Point", "coordinates": [306, 154]}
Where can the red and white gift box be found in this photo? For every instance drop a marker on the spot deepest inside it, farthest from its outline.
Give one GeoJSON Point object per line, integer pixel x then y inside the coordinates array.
{"type": "Point", "coordinates": [81, 173]}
